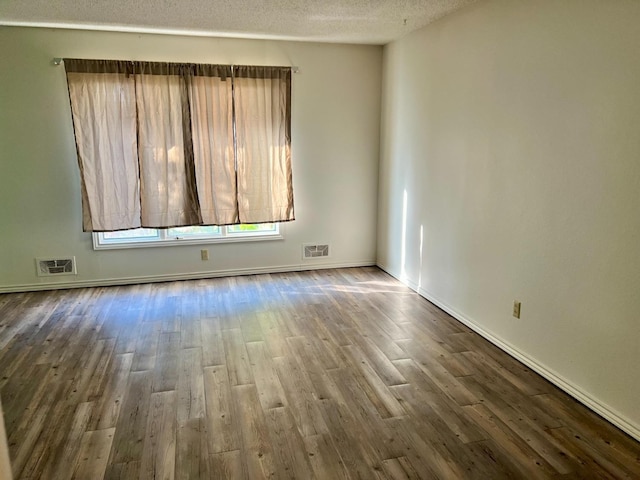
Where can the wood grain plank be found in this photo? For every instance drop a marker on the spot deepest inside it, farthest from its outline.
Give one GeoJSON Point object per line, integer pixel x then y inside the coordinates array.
{"type": "Point", "coordinates": [212, 345]}
{"type": "Point", "coordinates": [192, 455]}
{"type": "Point", "coordinates": [191, 401]}
{"type": "Point", "coordinates": [324, 457]}
{"type": "Point", "coordinates": [378, 441]}
{"type": "Point", "coordinates": [346, 438]}
{"type": "Point", "coordinates": [301, 400]}
{"type": "Point", "coordinates": [258, 459]}
{"type": "Point", "coordinates": [266, 378]}
{"type": "Point", "coordinates": [159, 450]}
{"type": "Point", "coordinates": [534, 465]}
{"type": "Point", "coordinates": [369, 382]}
{"type": "Point", "coordinates": [323, 386]}
{"type": "Point", "coordinates": [222, 418]}
{"type": "Point", "coordinates": [108, 405]}
{"type": "Point", "coordinates": [447, 383]}
{"type": "Point", "coordinates": [543, 444]}
{"type": "Point", "coordinates": [274, 332]}
{"type": "Point", "coordinates": [400, 468]}
{"type": "Point", "coordinates": [59, 469]}
{"type": "Point", "coordinates": [94, 454]}
{"type": "Point", "coordinates": [132, 419]}
{"type": "Point", "coordinates": [226, 464]}
{"type": "Point", "coordinates": [421, 451]}
{"type": "Point", "coordinates": [122, 471]}
{"type": "Point", "coordinates": [237, 359]}
{"type": "Point", "coordinates": [287, 443]}
{"type": "Point", "coordinates": [167, 367]}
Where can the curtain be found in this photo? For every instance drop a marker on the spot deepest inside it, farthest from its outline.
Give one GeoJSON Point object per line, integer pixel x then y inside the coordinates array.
{"type": "Point", "coordinates": [165, 144]}
{"type": "Point", "coordinates": [167, 188]}
{"type": "Point", "coordinates": [212, 121]}
{"type": "Point", "coordinates": [263, 142]}
{"type": "Point", "coordinates": [104, 120]}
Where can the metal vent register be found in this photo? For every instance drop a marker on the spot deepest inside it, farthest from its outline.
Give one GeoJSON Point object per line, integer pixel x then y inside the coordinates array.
{"type": "Point", "coordinates": [47, 267]}
{"type": "Point", "coordinates": [315, 251]}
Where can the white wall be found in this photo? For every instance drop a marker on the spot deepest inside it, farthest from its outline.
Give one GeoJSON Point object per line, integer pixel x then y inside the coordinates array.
{"type": "Point", "coordinates": [514, 129]}
{"type": "Point", "coordinates": [335, 148]}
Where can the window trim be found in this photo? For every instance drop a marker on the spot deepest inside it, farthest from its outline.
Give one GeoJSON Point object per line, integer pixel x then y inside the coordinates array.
{"type": "Point", "coordinates": [165, 241]}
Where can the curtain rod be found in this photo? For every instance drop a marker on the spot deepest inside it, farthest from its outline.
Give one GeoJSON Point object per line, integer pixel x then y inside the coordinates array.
{"type": "Point", "coordinates": [60, 61]}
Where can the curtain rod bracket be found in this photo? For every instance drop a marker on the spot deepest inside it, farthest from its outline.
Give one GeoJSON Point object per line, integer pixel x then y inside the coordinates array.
{"type": "Point", "coordinates": [57, 61]}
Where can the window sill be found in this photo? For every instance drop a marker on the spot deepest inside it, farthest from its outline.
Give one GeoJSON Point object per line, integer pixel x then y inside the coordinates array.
{"type": "Point", "coordinates": [184, 241]}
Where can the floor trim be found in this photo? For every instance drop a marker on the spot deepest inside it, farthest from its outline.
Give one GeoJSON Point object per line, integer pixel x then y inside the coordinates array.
{"type": "Point", "coordinates": [567, 386]}
{"type": "Point", "coordinates": [32, 287]}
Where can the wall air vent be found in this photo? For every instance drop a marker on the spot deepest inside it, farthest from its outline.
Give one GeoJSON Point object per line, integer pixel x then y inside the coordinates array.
{"type": "Point", "coordinates": [47, 267]}
{"type": "Point", "coordinates": [315, 250]}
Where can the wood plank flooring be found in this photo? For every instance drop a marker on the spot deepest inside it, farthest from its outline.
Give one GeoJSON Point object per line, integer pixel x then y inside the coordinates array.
{"type": "Point", "coordinates": [334, 374]}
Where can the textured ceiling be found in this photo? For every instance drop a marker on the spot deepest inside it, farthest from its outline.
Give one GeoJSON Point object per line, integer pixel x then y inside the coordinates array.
{"type": "Point", "coordinates": [349, 21]}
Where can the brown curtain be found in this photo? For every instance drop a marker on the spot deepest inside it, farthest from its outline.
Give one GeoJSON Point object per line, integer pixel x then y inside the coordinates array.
{"type": "Point", "coordinates": [156, 144]}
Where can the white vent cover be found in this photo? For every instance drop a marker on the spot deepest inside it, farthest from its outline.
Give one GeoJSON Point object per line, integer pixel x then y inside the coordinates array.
{"type": "Point", "coordinates": [47, 267]}
{"type": "Point", "coordinates": [315, 250]}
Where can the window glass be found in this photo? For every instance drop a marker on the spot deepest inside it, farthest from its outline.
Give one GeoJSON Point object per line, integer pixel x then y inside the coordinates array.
{"type": "Point", "coordinates": [193, 231]}
{"type": "Point", "coordinates": [248, 228]}
{"type": "Point", "coordinates": [131, 235]}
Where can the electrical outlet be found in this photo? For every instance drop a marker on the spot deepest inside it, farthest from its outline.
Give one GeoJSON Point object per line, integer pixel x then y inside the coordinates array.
{"type": "Point", "coordinates": [516, 308]}
{"type": "Point", "coordinates": [204, 254]}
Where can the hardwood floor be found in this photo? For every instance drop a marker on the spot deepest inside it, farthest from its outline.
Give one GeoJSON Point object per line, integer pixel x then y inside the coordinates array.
{"type": "Point", "coordinates": [331, 374]}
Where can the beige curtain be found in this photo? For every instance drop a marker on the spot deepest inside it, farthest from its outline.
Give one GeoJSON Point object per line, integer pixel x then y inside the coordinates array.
{"type": "Point", "coordinates": [212, 122]}
{"type": "Point", "coordinates": [168, 193]}
{"type": "Point", "coordinates": [262, 97]}
{"type": "Point", "coordinates": [104, 120]}
{"type": "Point", "coordinates": [158, 147]}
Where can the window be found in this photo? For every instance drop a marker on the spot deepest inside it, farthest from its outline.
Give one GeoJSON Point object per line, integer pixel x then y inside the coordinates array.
{"type": "Point", "coordinates": [172, 144]}
{"type": "Point", "coordinates": [156, 237]}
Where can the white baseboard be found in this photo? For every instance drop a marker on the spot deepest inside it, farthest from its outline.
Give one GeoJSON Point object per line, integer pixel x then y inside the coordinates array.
{"type": "Point", "coordinates": [567, 386]}
{"type": "Point", "coordinates": [105, 282]}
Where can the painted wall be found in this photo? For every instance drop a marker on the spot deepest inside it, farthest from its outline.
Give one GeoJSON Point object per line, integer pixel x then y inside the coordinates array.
{"type": "Point", "coordinates": [510, 169]}
{"type": "Point", "coordinates": [335, 147]}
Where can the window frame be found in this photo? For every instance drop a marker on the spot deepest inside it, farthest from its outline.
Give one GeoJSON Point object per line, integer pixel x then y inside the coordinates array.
{"type": "Point", "coordinates": [166, 240]}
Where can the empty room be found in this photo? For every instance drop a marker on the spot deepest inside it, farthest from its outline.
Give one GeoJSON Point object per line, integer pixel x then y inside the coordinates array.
{"type": "Point", "coordinates": [320, 240]}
